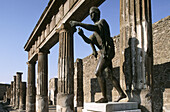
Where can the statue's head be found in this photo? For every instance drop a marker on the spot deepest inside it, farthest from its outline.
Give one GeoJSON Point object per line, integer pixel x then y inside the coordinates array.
{"type": "Point", "coordinates": [134, 41]}
{"type": "Point", "coordinates": [94, 13]}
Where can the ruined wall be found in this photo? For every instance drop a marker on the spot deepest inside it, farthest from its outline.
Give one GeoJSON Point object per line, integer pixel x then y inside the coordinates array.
{"type": "Point", "coordinates": [161, 45]}
{"type": "Point", "coordinates": [161, 69]}
{"type": "Point", "coordinates": [3, 89]}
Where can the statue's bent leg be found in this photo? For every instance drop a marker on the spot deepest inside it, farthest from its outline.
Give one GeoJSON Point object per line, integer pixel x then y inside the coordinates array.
{"type": "Point", "coordinates": [101, 80]}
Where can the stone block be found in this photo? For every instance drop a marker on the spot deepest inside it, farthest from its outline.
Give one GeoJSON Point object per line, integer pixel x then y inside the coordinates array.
{"type": "Point", "coordinates": [79, 109]}
{"type": "Point", "coordinates": [64, 102]}
{"type": "Point", "coordinates": [136, 110]}
{"type": "Point", "coordinates": [111, 107]}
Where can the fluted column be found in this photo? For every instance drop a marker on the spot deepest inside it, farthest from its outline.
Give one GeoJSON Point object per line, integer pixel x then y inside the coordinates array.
{"type": "Point", "coordinates": [42, 82]}
{"type": "Point", "coordinates": [14, 91]}
{"type": "Point", "coordinates": [65, 69]}
{"type": "Point", "coordinates": [18, 81]}
{"type": "Point", "coordinates": [22, 101]}
{"type": "Point", "coordinates": [136, 52]}
{"type": "Point", "coordinates": [31, 90]}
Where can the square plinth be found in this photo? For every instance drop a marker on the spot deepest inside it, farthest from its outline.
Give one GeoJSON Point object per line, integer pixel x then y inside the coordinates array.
{"type": "Point", "coordinates": [111, 107]}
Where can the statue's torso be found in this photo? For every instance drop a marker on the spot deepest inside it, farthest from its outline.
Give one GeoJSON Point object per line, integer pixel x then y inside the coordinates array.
{"type": "Point", "coordinates": [104, 34]}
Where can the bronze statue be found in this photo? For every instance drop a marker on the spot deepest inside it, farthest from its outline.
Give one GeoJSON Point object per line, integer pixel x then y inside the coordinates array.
{"type": "Point", "coordinates": [101, 38]}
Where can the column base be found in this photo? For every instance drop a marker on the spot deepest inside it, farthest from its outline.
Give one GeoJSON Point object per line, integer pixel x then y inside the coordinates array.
{"type": "Point", "coordinates": [78, 109]}
{"type": "Point", "coordinates": [41, 103]}
{"type": "Point", "coordinates": [111, 107]}
{"type": "Point", "coordinates": [65, 102]}
{"type": "Point", "coordinates": [21, 107]}
{"type": "Point", "coordinates": [30, 104]}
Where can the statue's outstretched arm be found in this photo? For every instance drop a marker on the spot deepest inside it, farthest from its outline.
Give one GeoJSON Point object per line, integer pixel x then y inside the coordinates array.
{"type": "Point", "coordinates": [89, 27]}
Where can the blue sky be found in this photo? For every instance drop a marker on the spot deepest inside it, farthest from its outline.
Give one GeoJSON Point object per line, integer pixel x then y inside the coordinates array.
{"type": "Point", "coordinates": [19, 17]}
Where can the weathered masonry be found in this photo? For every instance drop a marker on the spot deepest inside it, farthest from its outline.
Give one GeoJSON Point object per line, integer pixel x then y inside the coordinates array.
{"type": "Point", "coordinates": [53, 28]}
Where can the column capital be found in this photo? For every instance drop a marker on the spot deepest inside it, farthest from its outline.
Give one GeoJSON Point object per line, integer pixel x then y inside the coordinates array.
{"type": "Point", "coordinates": [46, 51]}
{"type": "Point", "coordinates": [79, 60]}
{"type": "Point", "coordinates": [19, 73]}
{"type": "Point", "coordinates": [14, 76]}
{"type": "Point", "coordinates": [66, 27]}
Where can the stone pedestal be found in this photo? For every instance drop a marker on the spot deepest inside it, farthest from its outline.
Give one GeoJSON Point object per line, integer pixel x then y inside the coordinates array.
{"type": "Point", "coordinates": [111, 107]}
{"type": "Point", "coordinates": [22, 102]}
{"type": "Point", "coordinates": [31, 91]}
{"type": "Point", "coordinates": [65, 70]}
{"type": "Point", "coordinates": [42, 82]}
{"type": "Point", "coordinates": [18, 81]}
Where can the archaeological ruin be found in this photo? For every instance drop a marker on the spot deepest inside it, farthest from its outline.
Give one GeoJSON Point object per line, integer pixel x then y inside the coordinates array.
{"type": "Point", "coordinates": [141, 63]}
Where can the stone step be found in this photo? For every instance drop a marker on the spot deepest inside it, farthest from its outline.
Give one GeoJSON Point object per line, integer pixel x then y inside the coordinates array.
{"type": "Point", "coordinates": [111, 107]}
{"type": "Point", "coordinates": [136, 110]}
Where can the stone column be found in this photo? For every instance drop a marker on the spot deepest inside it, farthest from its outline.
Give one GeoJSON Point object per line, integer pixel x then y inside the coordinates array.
{"type": "Point", "coordinates": [65, 69]}
{"type": "Point", "coordinates": [78, 82]}
{"type": "Point", "coordinates": [136, 52]}
{"type": "Point", "coordinates": [31, 90]}
{"type": "Point", "coordinates": [11, 102]}
{"type": "Point", "coordinates": [42, 82]}
{"type": "Point", "coordinates": [18, 81]}
{"type": "Point", "coordinates": [14, 92]}
{"type": "Point", "coordinates": [22, 101]}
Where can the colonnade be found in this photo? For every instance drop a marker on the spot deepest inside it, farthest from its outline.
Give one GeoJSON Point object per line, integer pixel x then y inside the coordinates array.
{"type": "Point", "coordinates": [38, 95]}
{"type": "Point", "coordinates": [18, 92]}
{"type": "Point", "coordinates": [52, 28]}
